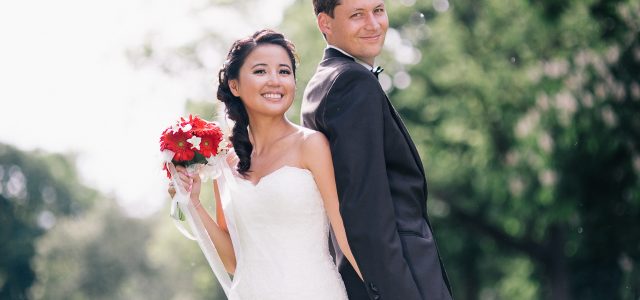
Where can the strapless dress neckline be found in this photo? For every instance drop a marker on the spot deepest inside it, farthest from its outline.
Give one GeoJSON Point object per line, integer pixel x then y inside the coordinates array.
{"type": "Point", "coordinates": [274, 173]}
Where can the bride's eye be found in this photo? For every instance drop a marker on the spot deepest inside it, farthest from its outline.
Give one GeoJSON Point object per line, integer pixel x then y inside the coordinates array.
{"type": "Point", "coordinates": [285, 71]}
{"type": "Point", "coordinates": [259, 71]}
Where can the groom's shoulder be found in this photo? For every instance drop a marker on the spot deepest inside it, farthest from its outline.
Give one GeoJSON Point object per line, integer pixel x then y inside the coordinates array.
{"type": "Point", "coordinates": [335, 76]}
{"type": "Point", "coordinates": [339, 72]}
{"type": "Point", "coordinates": [338, 66]}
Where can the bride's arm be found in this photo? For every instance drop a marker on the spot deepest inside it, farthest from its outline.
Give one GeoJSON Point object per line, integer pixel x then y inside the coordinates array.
{"type": "Point", "coordinates": [317, 158]}
{"type": "Point", "coordinates": [218, 233]}
{"type": "Point", "coordinates": [222, 222]}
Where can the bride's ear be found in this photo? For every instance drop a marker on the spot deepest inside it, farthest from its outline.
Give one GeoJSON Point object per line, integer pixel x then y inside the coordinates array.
{"type": "Point", "coordinates": [233, 86]}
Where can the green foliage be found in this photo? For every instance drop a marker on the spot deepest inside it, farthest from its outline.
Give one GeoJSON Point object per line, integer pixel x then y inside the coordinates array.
{"type": "Point", "coordinates": [527, 121]}
{"type": "Point", "coordinates": [91, 257]}
{"type": "Point", "coordinates": [62, 240]}
{"type": "Point", "coordinates": [106, 255]}
{"type": "Point", "coordinates": [35, 190]}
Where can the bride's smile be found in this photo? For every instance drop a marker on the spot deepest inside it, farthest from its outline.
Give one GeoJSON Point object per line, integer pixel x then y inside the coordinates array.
{"type": "Point", "coordinates": [273, 96]}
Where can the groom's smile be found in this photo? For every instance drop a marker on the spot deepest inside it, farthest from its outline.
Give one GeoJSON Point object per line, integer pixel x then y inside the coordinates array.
{"type": "Point", "coordinates": [372, 38]}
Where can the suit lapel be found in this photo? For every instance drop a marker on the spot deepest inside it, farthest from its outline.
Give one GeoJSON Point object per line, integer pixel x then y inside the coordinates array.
{"type": "Point", "coordinates": [406, 135]}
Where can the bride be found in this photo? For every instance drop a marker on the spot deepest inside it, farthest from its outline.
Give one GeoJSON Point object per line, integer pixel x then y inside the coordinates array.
{"type": "Point", "coordinates": [285, 198]}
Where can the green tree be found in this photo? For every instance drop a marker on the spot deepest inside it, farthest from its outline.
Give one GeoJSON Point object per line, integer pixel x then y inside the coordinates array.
{"type": "Point", "coordinates": [63, 240]}
{"type": "Point", "coordinates": [106, 255]}
{"type": "Point", "coordinates": [525, 113]}
{"type": "Point", "coordinates": [35, 190]}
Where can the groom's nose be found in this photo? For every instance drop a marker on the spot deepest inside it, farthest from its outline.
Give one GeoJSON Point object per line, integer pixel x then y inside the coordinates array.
{"type": "Point", "coordinates": [371, 22]}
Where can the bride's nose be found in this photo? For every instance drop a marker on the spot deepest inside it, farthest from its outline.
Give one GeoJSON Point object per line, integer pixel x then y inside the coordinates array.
{"type": "Point", "coordinates": [273, 79]}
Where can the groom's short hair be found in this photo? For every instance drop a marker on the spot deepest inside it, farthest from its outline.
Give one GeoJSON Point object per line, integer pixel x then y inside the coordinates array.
{"type": "Point", "coordinates": [325, 6]}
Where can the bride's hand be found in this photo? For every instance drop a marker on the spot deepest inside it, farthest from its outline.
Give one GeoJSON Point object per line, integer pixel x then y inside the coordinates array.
{"type": "Point", "coordinates": [191, 183]}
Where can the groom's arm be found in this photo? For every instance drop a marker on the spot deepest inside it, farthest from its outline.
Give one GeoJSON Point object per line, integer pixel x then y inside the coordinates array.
{"type": "Point", "coordinates": [353, 120]}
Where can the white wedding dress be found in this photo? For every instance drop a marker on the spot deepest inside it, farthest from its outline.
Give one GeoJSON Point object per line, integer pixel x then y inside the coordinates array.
{"type": "Point", "coordinates": [282, 229]}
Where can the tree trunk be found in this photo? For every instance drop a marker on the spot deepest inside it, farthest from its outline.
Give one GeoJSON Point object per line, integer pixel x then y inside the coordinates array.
{"type": "Point", "coordinates": [556, 265]}
{"type": "Point", "coordinates": [471, 279]}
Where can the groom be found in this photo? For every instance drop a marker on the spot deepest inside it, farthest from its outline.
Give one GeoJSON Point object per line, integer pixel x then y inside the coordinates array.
{"type": "Point", "coordinates": [379, 175]}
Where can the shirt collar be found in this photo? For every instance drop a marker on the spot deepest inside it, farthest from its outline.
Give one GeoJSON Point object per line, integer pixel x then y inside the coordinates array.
{"type": "Point", "coordinates": [364, 64]}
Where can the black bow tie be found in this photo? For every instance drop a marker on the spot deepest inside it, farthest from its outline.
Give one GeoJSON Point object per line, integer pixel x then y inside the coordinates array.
{"type": "Point", "coordinates": [377, 70]}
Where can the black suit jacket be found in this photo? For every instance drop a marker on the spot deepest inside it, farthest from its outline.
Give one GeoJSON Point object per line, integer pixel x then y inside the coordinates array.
{"type": "Point", "coordinates": [381, 184]}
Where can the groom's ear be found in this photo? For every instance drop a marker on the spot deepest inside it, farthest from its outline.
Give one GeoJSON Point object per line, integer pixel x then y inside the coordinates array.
{"type": "Point", "coordinates": [233, 86]}
{"type": "Point", "coordinates": [324, 23]}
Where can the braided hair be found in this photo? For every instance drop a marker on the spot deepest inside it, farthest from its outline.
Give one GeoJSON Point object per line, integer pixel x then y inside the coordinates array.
{"type": "Point", "coordinates": [235, 109]}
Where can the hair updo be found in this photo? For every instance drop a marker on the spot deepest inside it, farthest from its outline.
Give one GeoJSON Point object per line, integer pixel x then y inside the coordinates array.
{"type": "Point", "coordinates": [234, 107]}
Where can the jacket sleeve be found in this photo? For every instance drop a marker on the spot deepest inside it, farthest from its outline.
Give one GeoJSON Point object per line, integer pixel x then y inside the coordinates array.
{"type": "Point", "coordinates": [353, 120]}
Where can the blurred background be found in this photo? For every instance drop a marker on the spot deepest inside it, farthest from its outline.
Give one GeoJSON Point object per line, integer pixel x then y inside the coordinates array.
{"type": "Point", "coordinates": [526, 114]}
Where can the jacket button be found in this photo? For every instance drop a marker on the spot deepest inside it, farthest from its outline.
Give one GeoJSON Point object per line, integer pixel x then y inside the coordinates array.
{"type": "Point", "coordinates": [376, 297]}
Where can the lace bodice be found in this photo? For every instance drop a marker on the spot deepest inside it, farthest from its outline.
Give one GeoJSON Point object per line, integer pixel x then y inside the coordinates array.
{"type": "Point", "coordinates": [283, 232]}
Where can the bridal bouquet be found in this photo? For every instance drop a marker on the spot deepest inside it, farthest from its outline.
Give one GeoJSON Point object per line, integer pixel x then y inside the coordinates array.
{"type": "Point", "coordinates": [201, 147]}
{"type": "Point", "coordinates": [195, 144]}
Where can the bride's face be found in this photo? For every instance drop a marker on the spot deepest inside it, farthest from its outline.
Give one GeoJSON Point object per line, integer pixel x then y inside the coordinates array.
{"type": "Point", "coordinates": [266, 83]}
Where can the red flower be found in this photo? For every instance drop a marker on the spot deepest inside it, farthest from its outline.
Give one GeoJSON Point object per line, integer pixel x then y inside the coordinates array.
{"type": "Point", "coordinates": [176, 139]}
{"type": "Point", "coordinates": [177, 142]}
{"type": "Point", "coordinates": [210, 141]}
{"type": "Point", "coordinates": [199, 123]}
{"type": "Point", "coordinates": [196, 122]}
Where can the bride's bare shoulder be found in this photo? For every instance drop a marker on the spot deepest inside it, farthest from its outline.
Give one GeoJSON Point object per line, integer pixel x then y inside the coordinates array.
{"type": "Point", "coordinates": [313, 140]}
{"type": "Point", "coordinates": [310, 137]}
{"type": "Point", "coordinates": [315, 150]}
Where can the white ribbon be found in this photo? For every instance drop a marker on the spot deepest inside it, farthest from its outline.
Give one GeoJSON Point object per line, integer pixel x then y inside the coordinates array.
{"type": "Point", "coordinates": [182, 209]}
{"type": "Point", "coordinates": [179, 203]}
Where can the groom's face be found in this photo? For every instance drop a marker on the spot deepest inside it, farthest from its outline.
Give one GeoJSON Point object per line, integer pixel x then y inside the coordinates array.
{"type": "Point", "coordinates": [357, 27]}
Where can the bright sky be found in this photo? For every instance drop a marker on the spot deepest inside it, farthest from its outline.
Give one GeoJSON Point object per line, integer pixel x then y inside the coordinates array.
{"type": "Point", "coordinates": [66, 84]}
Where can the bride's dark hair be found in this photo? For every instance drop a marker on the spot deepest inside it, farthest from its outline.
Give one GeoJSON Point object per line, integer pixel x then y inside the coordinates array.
{"type": "Point", "coordinates": [234, 107]}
